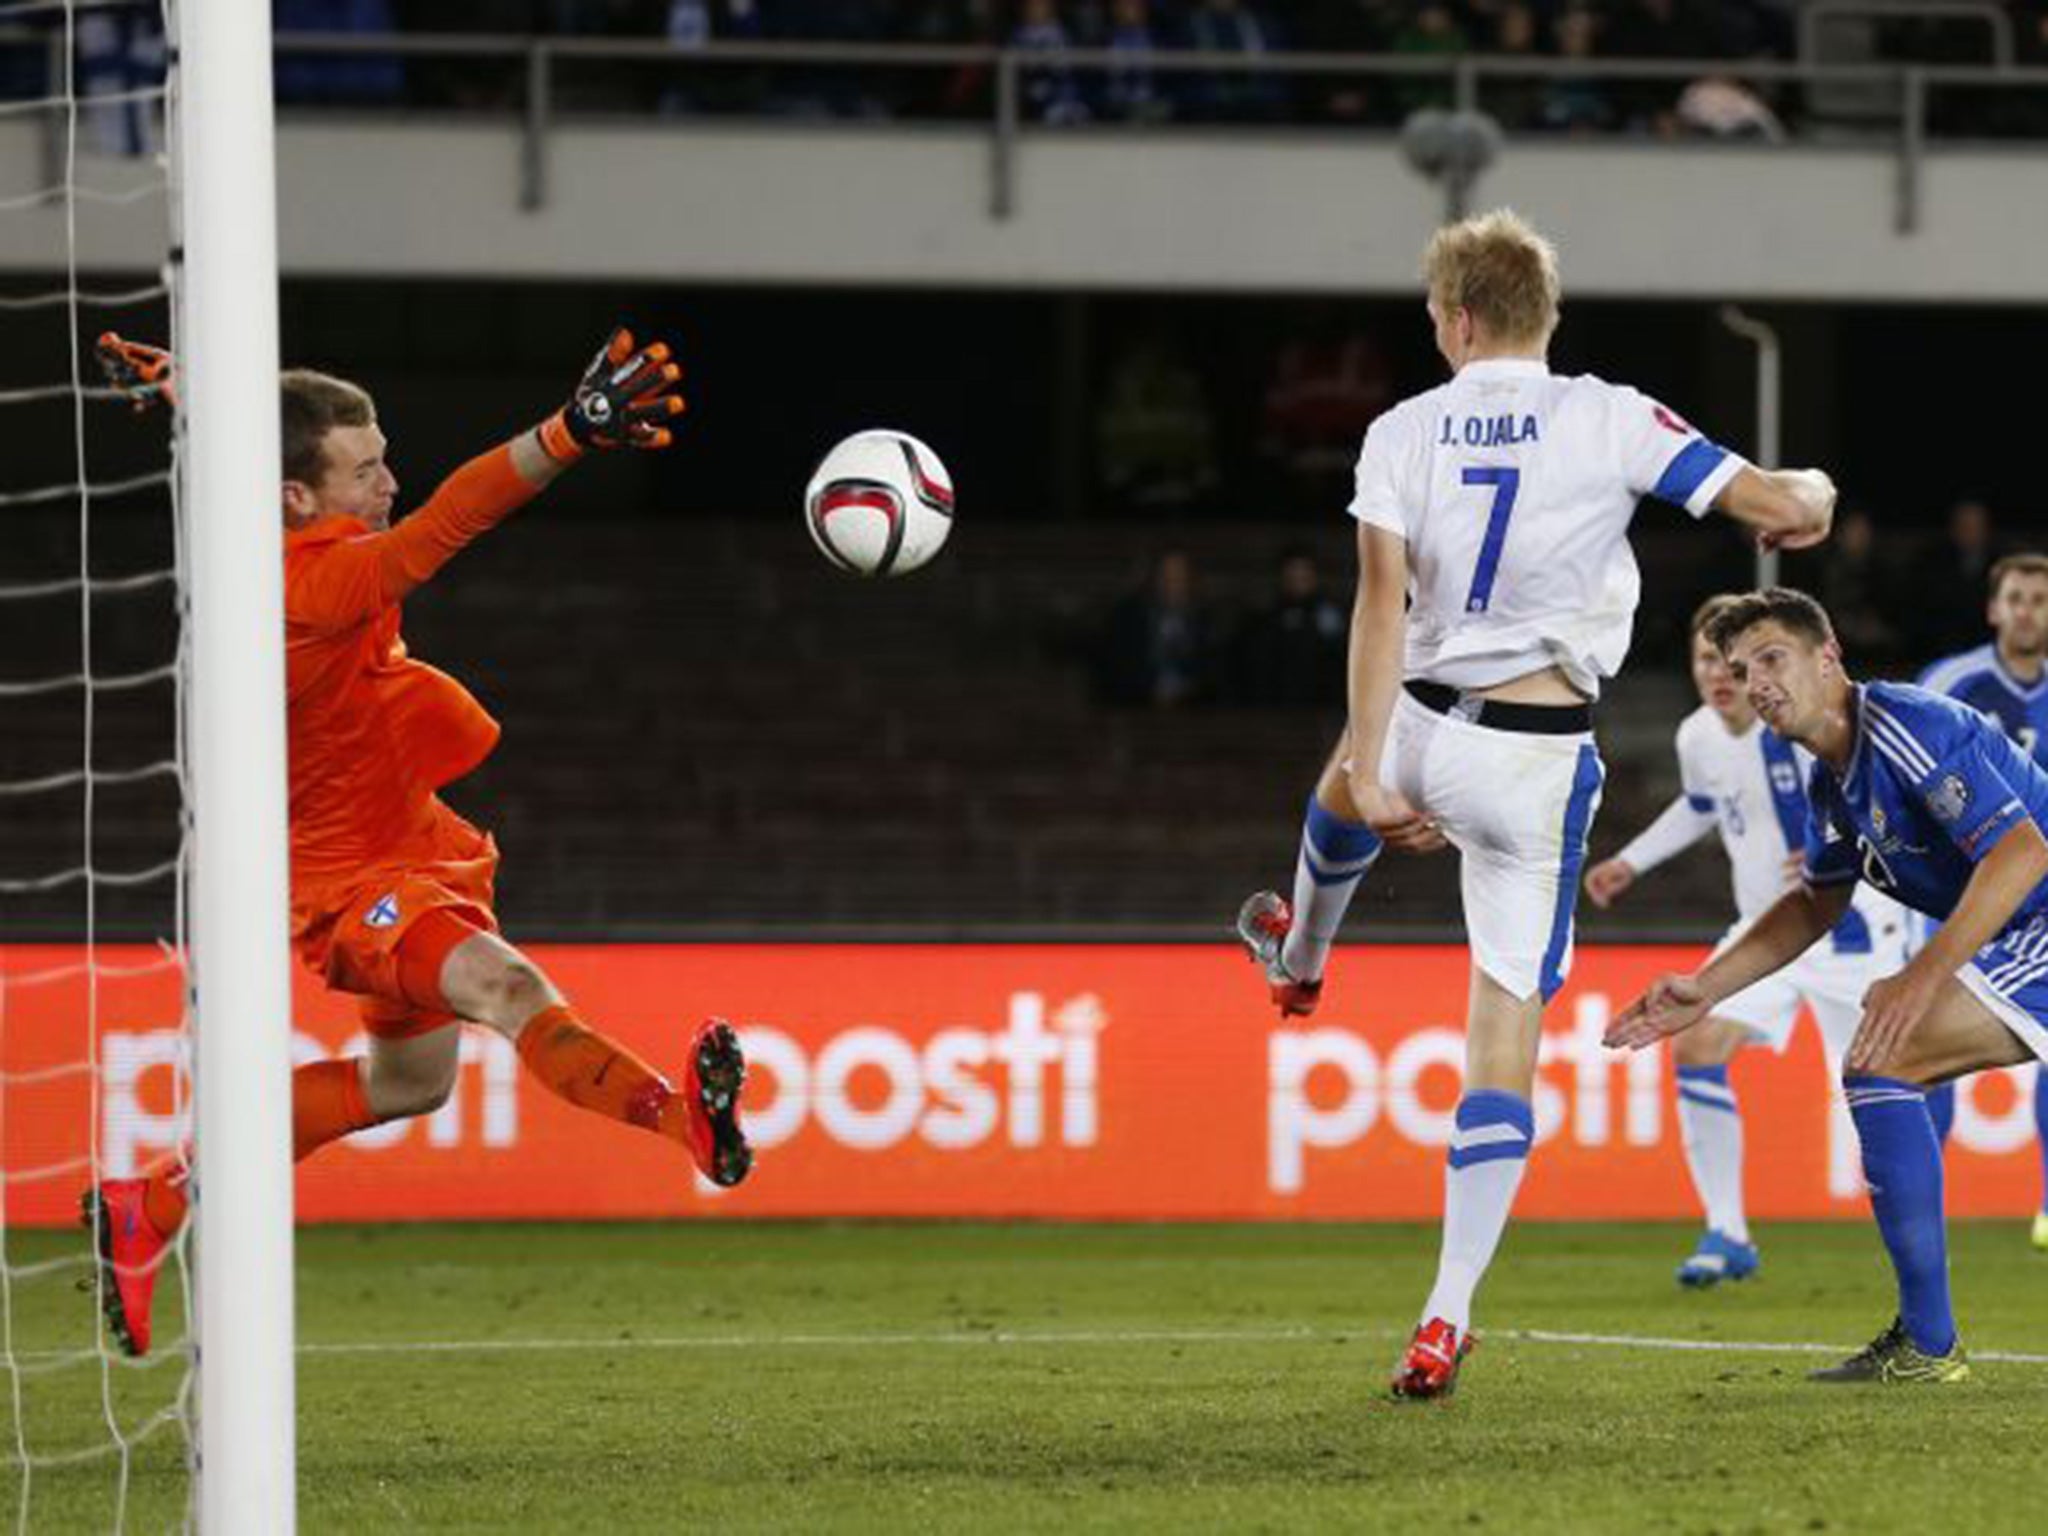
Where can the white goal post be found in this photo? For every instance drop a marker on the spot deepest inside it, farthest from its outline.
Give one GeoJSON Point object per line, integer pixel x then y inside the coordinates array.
{"type": "Point", "coordinates": [226, 296]}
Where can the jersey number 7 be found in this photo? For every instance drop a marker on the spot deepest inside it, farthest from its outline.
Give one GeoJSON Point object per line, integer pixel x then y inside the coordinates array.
{"type": "Point", "coordinates": [1505, 482]}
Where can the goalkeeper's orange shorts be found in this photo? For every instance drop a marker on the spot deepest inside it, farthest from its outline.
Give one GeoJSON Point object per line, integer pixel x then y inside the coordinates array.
{"type": "Point", "coordinates": [352, 932]}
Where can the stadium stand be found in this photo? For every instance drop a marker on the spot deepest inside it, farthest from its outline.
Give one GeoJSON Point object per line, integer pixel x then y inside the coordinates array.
{"type": "Point", "coordinates": [955, 774]}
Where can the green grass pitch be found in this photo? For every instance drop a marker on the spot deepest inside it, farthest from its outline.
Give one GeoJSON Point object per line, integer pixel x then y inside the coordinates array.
{"type": "Point", "coordinates": [872, 1377]}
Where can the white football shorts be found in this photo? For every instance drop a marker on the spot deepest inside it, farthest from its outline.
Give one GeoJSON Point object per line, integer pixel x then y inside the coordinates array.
{"type": "Point", "coordinates": [1518, 807]}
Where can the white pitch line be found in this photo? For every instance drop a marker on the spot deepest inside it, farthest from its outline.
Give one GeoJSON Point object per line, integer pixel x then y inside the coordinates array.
{"type": "Point", "coordinates": [994, 1338]}
{"type": "Point", "coordinates": [822, 1341]}
{"type": "Point", "coordinates": [1727, 1346]}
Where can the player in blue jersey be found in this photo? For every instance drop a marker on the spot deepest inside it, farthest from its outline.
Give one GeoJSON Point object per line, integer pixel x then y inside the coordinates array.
{"type": "Point", "coordinates": [1748, 784]}
{"type": "Point", "coordinates": [1932, 803]}
{"type": "Point", "coordinates": [2005, 678]}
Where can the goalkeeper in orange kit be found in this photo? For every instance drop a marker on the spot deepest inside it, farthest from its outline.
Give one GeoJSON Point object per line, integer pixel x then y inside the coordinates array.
{"type": "Point", "coordinates": [391, 890]}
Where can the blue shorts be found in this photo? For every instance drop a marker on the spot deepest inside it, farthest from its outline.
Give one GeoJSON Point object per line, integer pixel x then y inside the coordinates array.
{"type": "Point", "coordinates": [2010, 977]}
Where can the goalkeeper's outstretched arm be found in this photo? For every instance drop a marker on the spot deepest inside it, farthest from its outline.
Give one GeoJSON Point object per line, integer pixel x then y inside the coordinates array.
{"type": "Point", "coordinates": [627, 398]}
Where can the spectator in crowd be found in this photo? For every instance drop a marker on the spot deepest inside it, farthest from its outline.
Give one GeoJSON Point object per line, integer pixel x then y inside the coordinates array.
{"type": "Point", "coordinates": [1675, 29]}
{"type": "Point", "coordinates": [1155, 436]}
{"type": "Point", "coordinates": [1431, 29]}
{"type": "Point", "coordinates": [962, 91]}
{"type": "Point", "coordinates": [1050, 92]}
{"type": "Point", "coordinates": [1948, 586]}
{"type": "Point", "coordinates": [120, 52]}
{"type": "Point", "coordinates": [331, 79]}
{"type": "Point", "coordinates": [1129, 89]}
{"type": "Point", "coordinates": [1158, 648]}
{"type": "Point", "coordinates": [1293, 651]}
{"type": "Point", "coordinates": [1658, 29]}
{"type": "Point", "coordinates": [1514, 104]}
{"type": "Point", "coordinates": [694, 24]}
{"type": "Point", "coordinates": [2030, 32]}
{"type": "Point", "coordinates": [1325, 390]}
{"type": "Point", "coordinates": [1856, 587]}
{"type": "Point", "coordinates": [1349, 26]}
{"type": "Point", "coordinates": [1720, 107]}
{"type": "Point", "coordinates": [1232, 26]}
{"type": "Point", "coordinates": [816, 90]}
{"type": "Point", "coordinates": [1576, 103]}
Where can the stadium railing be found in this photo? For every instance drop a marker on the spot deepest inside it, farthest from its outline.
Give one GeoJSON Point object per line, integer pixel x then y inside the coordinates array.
{"type": "Point", "coordinates": [1470, 81]}
{"type": "Point", "coordinates": [1467, 82]}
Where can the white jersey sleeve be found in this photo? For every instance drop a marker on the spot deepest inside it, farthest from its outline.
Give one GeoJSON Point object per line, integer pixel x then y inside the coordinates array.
{"type": "Point", "coordinates": [1695, 777]}
{"type": "Point", "coordinates": [1662, 456]}
{"type": "Point", "coordinates": [1376, 495]}
{"type": "Point", "coordinates": [1677, 827]}
{"type": "Point", "coordinates": [1685, 820]}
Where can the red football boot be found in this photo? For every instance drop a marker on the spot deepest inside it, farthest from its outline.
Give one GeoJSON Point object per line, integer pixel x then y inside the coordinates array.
{"type": "Point", "coordinates": [1430, 1368]}
{"type": "Point", "coordinates": [131, 1253]}
{"type": "Point", "coordinates": [711, 1099]}
{"type": "Point", "coordinates": [1263, 922]}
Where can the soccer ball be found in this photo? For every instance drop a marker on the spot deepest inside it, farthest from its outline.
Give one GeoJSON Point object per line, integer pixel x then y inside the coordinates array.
{"type": "Point", "coordinates": [879, 504]}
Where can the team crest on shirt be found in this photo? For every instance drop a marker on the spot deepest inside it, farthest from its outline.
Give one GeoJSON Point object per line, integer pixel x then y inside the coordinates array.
{"type": "Point", "coordinates": [1784, 779]}
{"type": "Point", "coordinates": [1949, 798]}
{"type": "Point", "coordinates": [383, 912]}
{"type": "Point", "coordinates": [1887, 842]}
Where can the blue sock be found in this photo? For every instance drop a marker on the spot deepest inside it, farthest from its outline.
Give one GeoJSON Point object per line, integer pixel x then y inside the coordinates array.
{"type": "Point", "coordinates": [1902, 1165]}
{"type": "Point", "coordinates": [1335, 854]}
{"type": "Point", "coordinates": [1941, 1109]}
{"type": "Point", "coordinates": [2041, 1129]}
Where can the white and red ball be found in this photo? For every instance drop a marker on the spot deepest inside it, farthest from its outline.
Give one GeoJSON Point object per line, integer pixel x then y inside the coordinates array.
{"type": "Point", "coordinates": [879, 504]}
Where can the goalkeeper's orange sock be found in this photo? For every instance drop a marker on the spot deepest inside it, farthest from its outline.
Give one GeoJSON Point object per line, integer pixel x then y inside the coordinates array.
{"type": "Point", "coordinates": [328, 1102]}
{"type": "Point", "coordinates": [597, 1073]}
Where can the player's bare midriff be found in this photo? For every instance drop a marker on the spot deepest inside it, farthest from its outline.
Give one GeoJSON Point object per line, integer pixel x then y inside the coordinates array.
{"type": "Point", "coordinates": [1548, 686]}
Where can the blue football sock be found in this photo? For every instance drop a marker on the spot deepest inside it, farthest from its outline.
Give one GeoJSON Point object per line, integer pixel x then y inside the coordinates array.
{"type": "Point", "coordinates": [1902, 1166]}
{"type": "Point", "coordinates": [1941, 1109]}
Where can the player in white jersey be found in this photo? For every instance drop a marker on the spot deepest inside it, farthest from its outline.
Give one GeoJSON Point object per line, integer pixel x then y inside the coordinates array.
{"type": "Point", "coordinates": [1740, 778]}
{"type": "Point", "coordinates": [1499, 503]}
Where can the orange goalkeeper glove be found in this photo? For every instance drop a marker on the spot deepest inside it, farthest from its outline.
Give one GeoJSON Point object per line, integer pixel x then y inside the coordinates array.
{"type": "Point", "coordinates": [137, 370]}
{"type": "Point", "coordinates": [622, 402]}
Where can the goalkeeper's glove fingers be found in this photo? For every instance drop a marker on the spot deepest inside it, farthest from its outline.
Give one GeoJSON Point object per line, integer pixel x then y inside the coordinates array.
{"type": "Point", "coordinates": [137, 370]}
{"type": "Point", "coordinates": [624, 400]}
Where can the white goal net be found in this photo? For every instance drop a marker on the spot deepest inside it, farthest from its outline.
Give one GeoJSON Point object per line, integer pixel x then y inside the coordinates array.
{"type": "Point", "coordinates": [93, 810]}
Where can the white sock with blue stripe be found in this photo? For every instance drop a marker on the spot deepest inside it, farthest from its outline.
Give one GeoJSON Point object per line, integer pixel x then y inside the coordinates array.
{"type": "Point", "coordinates": [1710, 1124]}
{"type": "Point", "coordinates": [1489, 1151]}
{"type": "Point", "coordinates": [1335, 854]}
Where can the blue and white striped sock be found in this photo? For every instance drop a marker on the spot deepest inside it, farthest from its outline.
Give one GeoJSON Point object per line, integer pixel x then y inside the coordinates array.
{"type": "Point", "coordinates": [1489, 1151]}
{"type": "Point", "coordinates": [1710, 1124]}
{"type": "Point", "coordinates": [1902, 1166]}
{"type": "Point", "coordinates": [1335, 854]}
